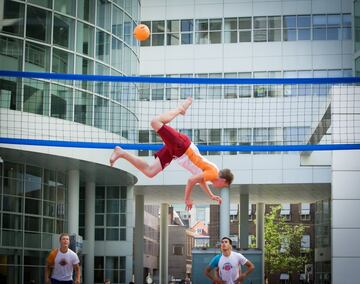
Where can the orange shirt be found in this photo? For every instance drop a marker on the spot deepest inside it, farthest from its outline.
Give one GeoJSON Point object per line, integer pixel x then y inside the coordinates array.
{"type": "Point", "coordinates": [194, 162]}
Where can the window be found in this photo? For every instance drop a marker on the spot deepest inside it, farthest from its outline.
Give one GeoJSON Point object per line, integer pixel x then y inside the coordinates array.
{"type": "Point", "coordinates": [178, 249]}
{"type": "Point", "coordinates": [230, 30]}
{"type": "Point", "coordinates": [296, 135]}
{"type": "Point", "coordinates": [110, 208]}
{"type": "Point", "coordinates": [201, 31]}
{"type": "Point", "coordinates": [305, 211]}
{"type": "Point", "coordinates": [285, 211]}
{"type": "Point", "coordinates": [304, 27]}
{"type": "Point", "coordinates": [244, 137]}
{"type": "Point", "coordinates": [215, 31]}
{"type": "Point", "coordinates": [250, 213]}
{"type": "Point", "coordinates": [289, 28]}
{"type": "Point", "coordinates": [187, 27]}
{"type": "Point", "coordinates": [230, 91]}
{"type": "Point", "coordinates": [158, 33]}
{"type": "Point", "coordinates": [38, 24]}
{"type": "Point", "coordinates": [110, 267]}
{"type": "Point", "coordinates": [173, 32]}
{"type": "Point", "coordinates": [274, 28]}
{"type": "Point", "coordinates": [305, 242]}
{"type": "Point", "coordinates": [260, 90]}
{"type": "Point", "coordinates": [63, 33]}
{"type": "Point", "coordinates": [15, 15]}
{"type": "Point", "coordinates": [233, 212]}
{"type": "Point", "coordinates": [245, 29]}
{"type": "Point", "coordinates": [284, 278]}
{"type": "Point", "coordinates": [230, 138]}
{"type": "Point", "coordinates": [260, 29]}
{"type": "Point", "coordinates": [245, 91]}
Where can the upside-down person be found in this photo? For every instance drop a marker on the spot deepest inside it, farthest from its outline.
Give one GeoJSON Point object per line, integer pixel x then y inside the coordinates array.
{"type": "Point", "coordinates": [178, 146]}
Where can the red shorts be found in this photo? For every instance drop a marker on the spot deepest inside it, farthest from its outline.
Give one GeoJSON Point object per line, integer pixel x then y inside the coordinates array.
{"type": "Point", "coordinates": [175, 142]}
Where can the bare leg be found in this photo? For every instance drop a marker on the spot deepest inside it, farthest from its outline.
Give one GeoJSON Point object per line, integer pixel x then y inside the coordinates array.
{"type": "Point", "coordinates": [168, 116]}
{"type": "Point", "coordinates": [140, 164]}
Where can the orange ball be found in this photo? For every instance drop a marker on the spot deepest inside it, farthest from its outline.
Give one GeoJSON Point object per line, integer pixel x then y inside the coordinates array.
{"type": "Point", "coordinates": [141, 32]}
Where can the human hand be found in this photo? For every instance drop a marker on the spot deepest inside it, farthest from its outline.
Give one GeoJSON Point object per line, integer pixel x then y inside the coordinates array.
{"type": "Point", "coordinates": [241, 278]}
{"type": "Point", "coordinates": [217, 199]}
{"type": "Point", "coordinates": [77, 282]}
{"type": "Point", "coordinates": [188, 204]}
{"type": "Point", "coordinates": [47, 281]}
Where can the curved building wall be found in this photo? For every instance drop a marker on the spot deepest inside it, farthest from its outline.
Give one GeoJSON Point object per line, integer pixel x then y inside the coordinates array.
{"type": "Point", "coordinates": [82, 37]}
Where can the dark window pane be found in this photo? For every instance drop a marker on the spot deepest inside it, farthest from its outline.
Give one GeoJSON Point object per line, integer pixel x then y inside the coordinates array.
{"type": "Point", "coordinates": [333, 34]}
{"type": "Point", "coordinates": [319, 34]}
{"type": "Point", "coordinates": [289, 35]}
{"type": "Point", "coordinates": [13, 18]}
{"type": "Point", "coordinates": [245, 23]}
{"type": "Point", "coordinates": [304, 34]}
{"type": "Point", "coordinates": [63, 31]}
{"type": "Point", "coordinates": [187, 25]}
{"type": "Point", "coordinates": [303, 21]}
{"type": "Point", "coordinates": [289, 21]}
{"type": "Point", "coordinates": [186, 38]}
{"type": "Point", "coordinates": [38, 24]}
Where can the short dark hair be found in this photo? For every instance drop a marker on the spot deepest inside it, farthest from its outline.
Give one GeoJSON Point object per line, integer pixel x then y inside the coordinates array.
{"type": "Point", "coordinates": [63, 235]}
{"type": "Point", "coordinates": [227, 175]}
{"type": "Point", "coordinates": [227, 238]}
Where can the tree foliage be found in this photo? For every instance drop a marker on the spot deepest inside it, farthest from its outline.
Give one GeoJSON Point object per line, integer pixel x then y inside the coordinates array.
{"type": "Point", "coordinates": [283, 245]}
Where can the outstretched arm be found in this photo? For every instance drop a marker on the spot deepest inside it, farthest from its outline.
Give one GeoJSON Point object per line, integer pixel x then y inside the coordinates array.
{"type": "Point", "coordinates": [207, 190]}
{"type": "Point", "coordinates": [192, 181]}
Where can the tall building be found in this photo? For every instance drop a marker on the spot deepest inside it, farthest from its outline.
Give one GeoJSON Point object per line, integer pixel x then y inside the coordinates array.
{"type": "Point", "coordinates": [46, 190]}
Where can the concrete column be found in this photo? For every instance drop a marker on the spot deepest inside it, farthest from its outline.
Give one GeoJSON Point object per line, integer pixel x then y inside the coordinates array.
{"type": "Point", "coordinates": [260, 240]}
{"type": "Point", "coordinates": [89, 231]}
{"type": "Point", "coordinates": [225, 213]}
{"type": "Point", "coordinates": [139, 239]}
{"type": "Point", "coordinates": [345, 193]}
{"type": "Point", "coordinates": [244, 221]}
{"type": "Point", "coordinates": [164, 241]}
{"type": "Point", "coordinates": [73, 201]}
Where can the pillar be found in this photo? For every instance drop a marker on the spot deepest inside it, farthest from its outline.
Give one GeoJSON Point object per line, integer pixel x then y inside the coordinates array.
{"type": "Point", "coordinates": [139, 239]}
{"type": "Point", "coordinates": [89, 231]}
{"type": "Point", "coordinates": [73, 201]}
{"type": "Point", "coordinates": [345, 193]}
{"type": "Point", "coordinates": [260, 240]}
{"type": "Point", "coordinates": [225, 213]}
{"type": "Point", "coordinates": [244, 221]}
{"type": "Point", "coordinates": [164, 239]}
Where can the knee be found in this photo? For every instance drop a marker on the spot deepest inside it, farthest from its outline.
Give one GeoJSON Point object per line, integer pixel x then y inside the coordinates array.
{"type": "Point", "coordinates": [156, 123]}
{"type": "Point", "coordinates": [150, 173]}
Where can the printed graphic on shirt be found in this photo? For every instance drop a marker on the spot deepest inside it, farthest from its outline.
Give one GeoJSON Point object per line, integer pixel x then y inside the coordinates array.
{"type": "Point", "coordinates": [227, 266]}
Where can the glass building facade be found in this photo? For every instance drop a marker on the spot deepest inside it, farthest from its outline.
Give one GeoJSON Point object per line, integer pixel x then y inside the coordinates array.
{"type": "Point", "coordinates": [83, 37]}
{"type": "Point", "coordinates": [64, 36]}
{"type": "Point", "coordinates": [33, 210]}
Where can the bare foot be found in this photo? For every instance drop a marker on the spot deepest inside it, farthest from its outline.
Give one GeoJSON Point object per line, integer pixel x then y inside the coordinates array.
{"type": "Point", "coordinates": [117, 153]}
{"type": "Point", "coordinates": [185, 105]}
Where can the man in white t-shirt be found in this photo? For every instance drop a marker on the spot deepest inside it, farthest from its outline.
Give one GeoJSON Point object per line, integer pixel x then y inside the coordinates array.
{"type": "Point", "coordinates": [61, 263]}
{"type": "Point", "coordinates": [228, 265]}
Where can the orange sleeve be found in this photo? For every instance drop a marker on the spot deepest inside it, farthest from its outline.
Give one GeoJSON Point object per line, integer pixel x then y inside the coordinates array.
{"type": "Point", "coordinates": [50, 261]}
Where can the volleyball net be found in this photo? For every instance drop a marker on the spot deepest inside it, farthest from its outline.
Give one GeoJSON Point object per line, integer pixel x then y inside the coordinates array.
{"type": "Point", "coordinates": [228, 115]}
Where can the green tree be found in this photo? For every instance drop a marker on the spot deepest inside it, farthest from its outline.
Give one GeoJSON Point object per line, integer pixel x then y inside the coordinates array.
{"type": "Point", "coordinates": [282, 245]}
